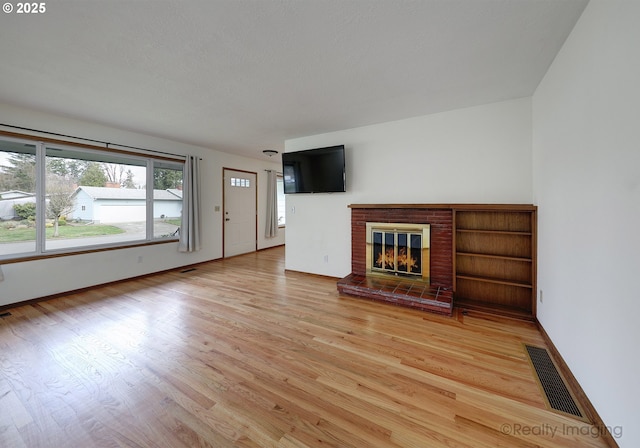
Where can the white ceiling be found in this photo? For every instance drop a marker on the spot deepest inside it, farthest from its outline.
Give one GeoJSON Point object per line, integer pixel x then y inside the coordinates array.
{"type": "Point", "coordinates": [245, 75]}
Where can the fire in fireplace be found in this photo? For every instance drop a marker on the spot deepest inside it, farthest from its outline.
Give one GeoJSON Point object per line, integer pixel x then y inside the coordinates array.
{"type": "Point", "coordinates": [398, 249]}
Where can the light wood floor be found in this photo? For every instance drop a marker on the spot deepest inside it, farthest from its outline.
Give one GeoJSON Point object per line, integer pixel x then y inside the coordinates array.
{"type": "Point", "coordinates": [238, 353]}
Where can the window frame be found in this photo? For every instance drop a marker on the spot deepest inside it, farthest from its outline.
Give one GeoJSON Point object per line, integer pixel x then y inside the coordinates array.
{"type": "Point", "coordinates": [92, 152]}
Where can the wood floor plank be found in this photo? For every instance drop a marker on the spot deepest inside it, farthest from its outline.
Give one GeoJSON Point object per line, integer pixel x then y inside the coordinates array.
{"type": "Point", "coordinates": [240, 353]}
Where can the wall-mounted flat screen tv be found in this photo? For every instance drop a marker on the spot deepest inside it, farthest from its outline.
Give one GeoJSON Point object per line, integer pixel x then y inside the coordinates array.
{"type": "Point", "coordinates": [319, 170]}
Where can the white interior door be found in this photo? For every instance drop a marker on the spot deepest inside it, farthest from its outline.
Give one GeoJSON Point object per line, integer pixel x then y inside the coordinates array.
{"type": "Point", "coordinates": [240, 226]}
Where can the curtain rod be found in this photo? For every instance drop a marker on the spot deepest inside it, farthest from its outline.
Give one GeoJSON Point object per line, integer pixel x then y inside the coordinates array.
{"type": "Point", "coordinates": [277, 172]}
{"type": "Point", "coordinates": [107, 144]}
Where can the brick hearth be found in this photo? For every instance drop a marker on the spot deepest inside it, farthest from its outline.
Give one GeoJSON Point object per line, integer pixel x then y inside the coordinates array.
{"type": "Point", "coordinates": [436, 297]}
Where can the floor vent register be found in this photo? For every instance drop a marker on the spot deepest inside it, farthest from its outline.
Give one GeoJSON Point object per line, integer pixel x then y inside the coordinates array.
{"type": "Point", "coordinates": [555, 388]}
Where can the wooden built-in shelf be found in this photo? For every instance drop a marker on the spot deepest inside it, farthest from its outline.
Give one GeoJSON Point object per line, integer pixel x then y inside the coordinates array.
{"type": "Point", "coordinates": [495, 259]}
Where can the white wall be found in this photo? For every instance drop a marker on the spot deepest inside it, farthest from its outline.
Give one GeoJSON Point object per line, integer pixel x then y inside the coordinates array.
{"type": "Point", "coordinates": [62, 274]}
{"type": "Point", "coordinates": [586, 148]}
{"type": "Point", "coordinates": [478, 155]}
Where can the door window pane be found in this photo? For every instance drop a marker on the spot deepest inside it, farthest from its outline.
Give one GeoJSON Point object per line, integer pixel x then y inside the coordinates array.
{"type": "Point", "coordinates": [240, 182]}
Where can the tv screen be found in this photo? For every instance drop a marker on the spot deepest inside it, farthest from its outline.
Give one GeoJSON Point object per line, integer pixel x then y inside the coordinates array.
{"type": "Point", "coordinates": [319, 170]}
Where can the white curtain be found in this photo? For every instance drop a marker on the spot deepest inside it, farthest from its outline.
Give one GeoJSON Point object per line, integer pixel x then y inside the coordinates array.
{"type": "Point", "coordinates": [272, 205]}
{"type": "Point", "coordinates": [190, 228]}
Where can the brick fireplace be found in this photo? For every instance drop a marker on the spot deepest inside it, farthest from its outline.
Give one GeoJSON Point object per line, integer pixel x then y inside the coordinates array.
{"type": "Point", "coordinates": [433, 292]}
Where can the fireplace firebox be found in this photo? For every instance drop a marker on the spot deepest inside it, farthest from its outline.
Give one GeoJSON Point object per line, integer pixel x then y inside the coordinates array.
{"type": "Point", "coordinates": [398, 249]}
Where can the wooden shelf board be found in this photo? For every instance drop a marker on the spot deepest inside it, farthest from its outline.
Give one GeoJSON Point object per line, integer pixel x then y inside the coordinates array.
{"type": "Point", "coordinates": [495, 232]}
{"type": "Point", "coordinates": [456, 207]}
{"type": "Point", "coordinates": [485, 307]}
{"type": "Point", "coordinates": [498, 257]}
{"type": "Point", "coordinates": [494, 280]}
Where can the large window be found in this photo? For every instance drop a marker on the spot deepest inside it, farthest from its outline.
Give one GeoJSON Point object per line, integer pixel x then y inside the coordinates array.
{"type": "Point", "coordinates": [55, 198]}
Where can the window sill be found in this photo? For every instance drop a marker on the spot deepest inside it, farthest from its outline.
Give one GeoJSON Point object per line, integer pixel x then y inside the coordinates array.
{"type": "Point", "coordinates": [82, 252]}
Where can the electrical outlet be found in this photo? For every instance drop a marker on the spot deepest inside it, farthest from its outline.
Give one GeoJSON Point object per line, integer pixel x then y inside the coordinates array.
{"type": "Point", "coordinates": [139, 258]}
{"type": "Point", "coordinates": [326, 258]}
{"type": "Point", "coordinates": [541, 298]}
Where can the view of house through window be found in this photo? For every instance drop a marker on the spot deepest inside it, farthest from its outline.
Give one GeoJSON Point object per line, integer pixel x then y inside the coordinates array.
{"type": "Point", "coordinates": [57, 198]}
{"type": "Point", "coordinates": [93, 199]}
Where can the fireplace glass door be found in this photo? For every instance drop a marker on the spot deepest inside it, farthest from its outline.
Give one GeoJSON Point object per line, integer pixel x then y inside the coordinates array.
{"type": "Point", "coordinates": [397, 252]}
{"type": "Point", "coordinates": [398, 249]}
